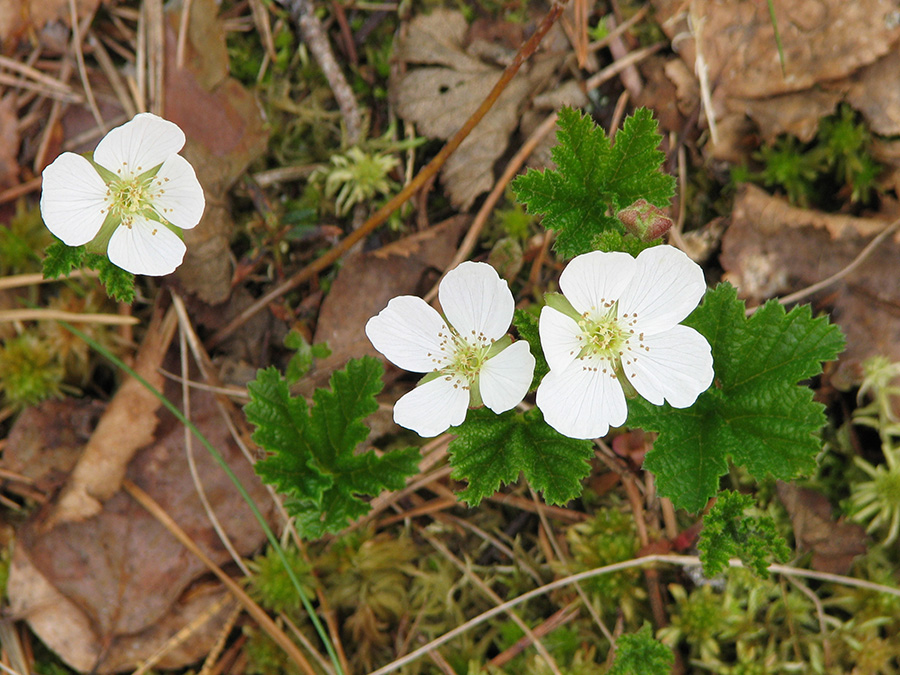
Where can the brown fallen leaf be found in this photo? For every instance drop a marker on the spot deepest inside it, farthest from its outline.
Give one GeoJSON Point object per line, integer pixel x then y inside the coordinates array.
{"type": "Point", "coordinates": [126, 425]}
{"type": "Point", "coordinates": [833, 51]}
{"type": "Point", "coordinates": [834, 543]}
{"type": "Point", "coordinates": [107, 592]}
{"type": "Point", "coordinates": [9, 142]}
{"type": "Point", "coordinates": [367, 281]}
{"type": "Point", "coordinates": [440, 97]}
{"type": "Point", "coordinates": [773, 248]}
{"type": "Point", "coordinates": [18, 18]}
{"type": "Point", "coordinates": [225, 132]}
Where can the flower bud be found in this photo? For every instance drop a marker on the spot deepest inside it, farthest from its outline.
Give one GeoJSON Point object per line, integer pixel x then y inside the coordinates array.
{"type": "Point", "coordinates": [644, 220]}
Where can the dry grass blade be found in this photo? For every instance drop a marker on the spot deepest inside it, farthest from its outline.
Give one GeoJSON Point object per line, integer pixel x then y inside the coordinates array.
{"type": "Point", "coordinates": [254, 610]}
{"type": "Point", "coordinates": [72, 317]}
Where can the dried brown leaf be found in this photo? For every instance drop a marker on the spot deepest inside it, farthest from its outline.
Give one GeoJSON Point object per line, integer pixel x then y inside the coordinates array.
{"type": "Point", "coordinates": [773, 248]}
{"type": "Point", "coordinates": [834, 543]}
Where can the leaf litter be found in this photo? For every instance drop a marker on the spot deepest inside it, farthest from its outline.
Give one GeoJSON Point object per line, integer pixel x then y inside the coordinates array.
{"type": "Point", "coordinates": [78, 584]}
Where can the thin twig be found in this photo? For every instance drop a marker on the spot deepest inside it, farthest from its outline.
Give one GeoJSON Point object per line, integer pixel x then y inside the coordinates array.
{"type": "Point", "coordinates": [471, 238]}
{"type": "Point", "coordinates": [254, 610]}
{"type": "Point", "coordinates": [680, 560]}
{"type": "Point", "coordinates": [837, 276]}
{"type": "Point", "coordinates": [72, 317]}
{"type": "Point", "coordinates": [313, 34]}
{"type": "Point", "coordinates": [411, 188]}
{"type": "Point", "coordinates": [82, 69]}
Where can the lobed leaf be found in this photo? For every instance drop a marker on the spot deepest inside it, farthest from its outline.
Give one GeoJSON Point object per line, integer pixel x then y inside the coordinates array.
{"type": "Point", "coordinates": [491, 450]}
{"type": "Point", "coordinates": [594, 179]}
{"type": "Point", "coordinates": [312, 455]}
{"type": "Point", "coordinates": [755, 413]}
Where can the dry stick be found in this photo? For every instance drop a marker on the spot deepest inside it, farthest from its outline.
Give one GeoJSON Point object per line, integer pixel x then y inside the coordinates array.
{"type": "Point", "coordinates": [484, 588]}
{"type": "Point", "coordinates": [681, 560]}
{"type": "Point", "coordinates": [156, 54]}
{"type": "Point", "coordinates": [303, 14]}
{"type": "Point", "coordinates": [620, 65]}
{"type": "Point", "coordinates": [560, 617]}
{"type": "Point", "coordinates": [181, 44]}
{"type": "Point", "coordinates": [82, 69]}
{"type": "Point", "coordinates": [254, 610]}
{"type": "Point", "coordinates": [468, 243]}
{"type": "Point", "coordinates": [59, 315]}
{"type": "Point", "coordinates": [205, 365]}
{"type": "Point", "coordinates": [619, 30]}
{"type": "Point", "coordinates": [423, 176]}
{"type": "Point", "coordinates": [557, 549]}
{"type": "Point", "coordinates": [19, 280]}
{"type": "Point", "coordinates": [837, 276]}
{"type": "Point", "coordinates": [112, 74]}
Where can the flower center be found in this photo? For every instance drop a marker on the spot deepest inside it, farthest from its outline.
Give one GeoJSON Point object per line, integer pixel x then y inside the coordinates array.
{"type": "Point", "coordinates": [131, 195]}
{"type": "Point", "coordinates": [461, 357]}
{"type": "Point", "coordinates": [605, 336]}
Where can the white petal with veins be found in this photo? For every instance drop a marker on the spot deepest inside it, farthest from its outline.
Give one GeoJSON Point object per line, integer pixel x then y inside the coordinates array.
{"type": "Point", "coordinates": [505, 377]}
{"type": "Point", "coordinates": [147, 247]}
{"type": "Point", "coordinates": [73, 199]}
{"type": "Point", "coordinates": [476, 301]}
{"type": "Point", "coordinates": [433, 407]}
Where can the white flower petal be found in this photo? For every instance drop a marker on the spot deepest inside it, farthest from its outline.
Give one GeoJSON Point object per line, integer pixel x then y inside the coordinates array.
{"type": "Point", "coordinates": [561, 338]}
{"type": "Point", "coordinates": [139, 145]}
{"type": "Point", "coordinates": [73, 199]}
{"type": "Point", "coordinates": [666, 287]}
{"type": "Point", "coordinates": [178, 196]}
{"type": "Point", "coordinates": [433, 407]}
{"type": "Point", "coordinates": [592, 282]}
{"type": "Point", "coordinates": [476, 301]}
{"type": "Point", "coordinates": [147, 247]}
{"type": "Point", "coordinates": [678, 367]}
{"type": "Point", "coordinates": [505, 378]}
{"type": "Point", "coordinates": [409, 333]}
{"type": "Point", "coordinates": [580, 402]}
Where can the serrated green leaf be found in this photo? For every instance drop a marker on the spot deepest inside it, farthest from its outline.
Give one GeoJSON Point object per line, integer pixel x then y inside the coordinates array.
{"type": "Point", "coordinates": [312, 458]}
{"type": "Point", "coordinates": [594, 179]}
{"type": "Point", "coordinates": [527, 325]}
{"type": "Point", "coordinates": [755, 413]}
{"type": "Point", "coordinates": [491, 450]}
{"type": "Point", "coordinates": [729, 532]}
{"type": "Point", "coordinates": [119, 283]}
{"type": "Point", "coordinates": [60, 260]}
{"type": "Point", "coordinates": [640, 654]}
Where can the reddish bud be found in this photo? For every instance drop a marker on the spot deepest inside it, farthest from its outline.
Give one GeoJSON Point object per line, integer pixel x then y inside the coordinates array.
{"type": "Point", "coordinates": [645, 221]}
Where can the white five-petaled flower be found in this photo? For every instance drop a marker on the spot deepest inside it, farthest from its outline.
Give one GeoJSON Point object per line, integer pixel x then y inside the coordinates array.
{"type": "Point", "coordinates": [128, 198]}
{"type": "Point", "coordinates": [624, 321]}
{"type": "Point", "coordinates": [468, 356]}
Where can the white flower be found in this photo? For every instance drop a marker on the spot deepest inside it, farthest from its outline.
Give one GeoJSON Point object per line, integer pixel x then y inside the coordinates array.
{"type": "Point", "coordinates": [128, 199]}
{"type": "Point", "coordinates": [468, 357]}
{"type": "Point", "coordinates": [623, 321]}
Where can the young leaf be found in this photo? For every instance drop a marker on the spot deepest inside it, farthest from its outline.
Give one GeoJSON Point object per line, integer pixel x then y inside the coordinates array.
{"type": "Point", "coordinates": [594, 179]}
{"type": "Point", "coordinates": [755, 413]}
{"type": "Point", "coordinates": [728, 532]}
{"type": "Point", "coordinates": [527, 325]}
{"type": "Point", "coordinates": [119, 283]}
{"type": "Point", "coordinates": [492, 449]}
{"type": "Point", "coordinates": [60, 260]}
{"type": "Point", "coordinates": [311, 451]}
{"type": "Point", "coordinates": [640, 654]}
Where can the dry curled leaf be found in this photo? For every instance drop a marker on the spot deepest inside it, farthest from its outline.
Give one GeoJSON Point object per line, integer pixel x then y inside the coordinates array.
{"type": "Point", "coordinates": [107, 592]}
{"type": "Point", "coordinates": [834, 543]}
{"type": "Point", "coordinates": [440, 97]}
{"type": "Point", "coordinates": [773, 248]}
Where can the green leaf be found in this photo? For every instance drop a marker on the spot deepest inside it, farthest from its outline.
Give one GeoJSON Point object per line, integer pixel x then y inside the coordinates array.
{"type": "Point", "coordinates": [755, 413]}
{"type": "Point", "coordinates": [527, 325]}
{"type": "Point", "coordinates": [119, 283]}
{"type": "Point", "coordinates": [311, 451]}
{"type": "Point", "coordinates": [60, 260]}
{"type": "Point", "coordinates": [492, 449]}
{"type": "Point", "coordinates": [728, 532]}
{"type": "Point", "coordinates": [594, 179]}
{"type": "Point", "coordinates": [640, 654]}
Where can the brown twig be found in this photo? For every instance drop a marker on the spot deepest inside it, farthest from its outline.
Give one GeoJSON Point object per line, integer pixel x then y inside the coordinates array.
{"type": "Point", "coordinates": [313, 34]}
{"type": "Point", "coordinates": [411, 188]}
